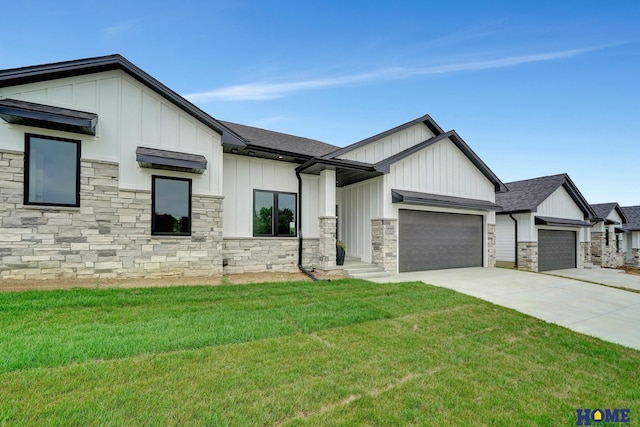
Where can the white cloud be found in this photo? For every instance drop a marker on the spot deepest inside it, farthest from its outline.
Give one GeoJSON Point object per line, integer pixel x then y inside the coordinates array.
{"type": "Point", "coordinates": [266, 90]}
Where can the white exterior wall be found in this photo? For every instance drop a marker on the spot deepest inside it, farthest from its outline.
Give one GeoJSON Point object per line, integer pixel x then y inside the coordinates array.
{"type": "Point", "coordinates": [359, 204]}
{"type": "Point", "coordinates": [390, 145]}
{"type": "Point", "coordinates": [129, 115]}
{"type": "Point", "coordinates": [244, 174]}
{"type": "Point", "coordinates": [440, 168]}
{"type": "Point", "coordinates": [559, 204]}
{"type": "Point", "coordinates": [505, 238]}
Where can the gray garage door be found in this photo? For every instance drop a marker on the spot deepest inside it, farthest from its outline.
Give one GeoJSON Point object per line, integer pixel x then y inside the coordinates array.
{"type": "Point", "coordinates": [556, 249]}
{"type": "Point", "coordinates": [431, 240]}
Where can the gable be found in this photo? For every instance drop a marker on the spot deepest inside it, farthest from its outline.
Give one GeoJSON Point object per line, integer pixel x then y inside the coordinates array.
{"type": "Point", "coordinates": [389, 145]}
{"type": "Point", "coordinates": [559, 204]}
{"type": "Point", "coordinates": [441, 168]}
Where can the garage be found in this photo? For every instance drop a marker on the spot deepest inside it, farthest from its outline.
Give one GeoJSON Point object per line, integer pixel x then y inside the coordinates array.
{"type": "Point", "coordinates": [434, 240]}
{"type": "Point", "coordinates": [556, 249]}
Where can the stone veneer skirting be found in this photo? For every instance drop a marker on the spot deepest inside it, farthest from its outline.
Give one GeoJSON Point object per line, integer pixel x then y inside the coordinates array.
{"type": "Point", "coordinates": [384, 244]}
{"type": "Point", "coordinates": [528, 256]}
{"type": "Point", "coordinates": [108, 236]}
{"type": "Point", "coordinates": [253, 255]}
{"type": "Point", "coordinates": [585, 252]}
{"type": "Point", "coordinates": [327, 242]}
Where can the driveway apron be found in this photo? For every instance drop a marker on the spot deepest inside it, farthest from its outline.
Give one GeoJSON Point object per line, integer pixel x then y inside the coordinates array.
{"type": "Point", "coordinates": [600, 311]}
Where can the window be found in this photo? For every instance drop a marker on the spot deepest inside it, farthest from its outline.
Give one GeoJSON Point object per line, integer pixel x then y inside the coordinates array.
{"type": "Point", "coordinates": [606, 237]}
{"type": "Point", "coordinates": [52, 171]}
{"type": "Point", "coordinates": [617, 243]}
{"type": "Point", "coordinates": [274, 213]}
{"type": "Point", "coordinates": [171, 206]}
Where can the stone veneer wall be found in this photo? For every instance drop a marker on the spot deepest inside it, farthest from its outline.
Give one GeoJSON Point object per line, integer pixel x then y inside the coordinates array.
{"type": "Point", "coordinates": [528, 256]}
{"type": "Point", "coordinates": [384, 244]}
{"type": "Point", "coordinates": [253, 255]}
{"type": "Point", "coordinates": [635, 256]}
{"type": "Point", "coordinates": [603, 255]}
{"type": "Point", "coordinates": [491, 245]}
{"type": "Point", "coordinates": [585, 252]}
{"type": "Point", "coordinates": [108, 236]}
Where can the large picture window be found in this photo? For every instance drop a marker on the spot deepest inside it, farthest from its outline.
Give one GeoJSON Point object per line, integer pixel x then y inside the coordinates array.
{"type": "Point", "coordinates": [52, 171]}
{"type": "Point", "coordinates": [274, 213]}
{"type": "Point", "coordinates": [171, 206]}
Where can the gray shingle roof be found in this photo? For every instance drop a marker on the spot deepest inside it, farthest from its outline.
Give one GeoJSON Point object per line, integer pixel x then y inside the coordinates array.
{"type": "Point", "coordinates": [528, 194]}
{"type": "Point", "coordinates": [603, 210]}
{"type": "Point", "coordinates": [633, 218]}
{"type": "Point", "coordinates": [281, 141]}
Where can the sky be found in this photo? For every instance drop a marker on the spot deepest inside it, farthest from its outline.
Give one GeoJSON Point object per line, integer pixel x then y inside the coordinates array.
{"type": "Point", "coordinates": [535, 88]}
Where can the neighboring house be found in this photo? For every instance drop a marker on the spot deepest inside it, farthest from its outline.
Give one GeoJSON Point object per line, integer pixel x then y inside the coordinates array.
{"type": "Point", "coordinates": [543, 225]}
{"type": "Point", "coordinates": [106, 172]}
{"type": "Point", "coordinates": [607, 235]}
{"type": "Point", "coordinates": [632, 234]}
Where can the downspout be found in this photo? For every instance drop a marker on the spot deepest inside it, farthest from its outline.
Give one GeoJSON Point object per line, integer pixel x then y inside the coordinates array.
{"type": "Point", "coordinates": [300, 239]}
{"type": "Point", "coordinates": [516, 239]}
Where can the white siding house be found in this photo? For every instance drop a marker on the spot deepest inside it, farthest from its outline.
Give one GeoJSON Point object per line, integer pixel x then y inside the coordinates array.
{"type": "Point", "coordinates": [543, 225]}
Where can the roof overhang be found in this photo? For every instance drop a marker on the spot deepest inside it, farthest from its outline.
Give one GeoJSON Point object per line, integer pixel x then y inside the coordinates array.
{"type": "Point", "coordinates": [347, 172]}
{"type": "Point", "coordinates": [438, 200]}
{"type": "Point", "coordinates": [561, 222]}
{"type": "Point", "coordinates": [170, 160]}
{"type": "Point", "coordinates": [46, 116]}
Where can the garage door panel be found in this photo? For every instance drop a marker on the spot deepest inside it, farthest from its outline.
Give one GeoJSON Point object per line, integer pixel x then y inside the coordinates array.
{"type": "Point", "coordinates": [556, 249]}
{"type": "Point", "coordinates": [433, 240]}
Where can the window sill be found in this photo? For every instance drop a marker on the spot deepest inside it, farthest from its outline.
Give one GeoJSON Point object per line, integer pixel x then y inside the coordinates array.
{"type": "Point", "coordinates": [52, 208]}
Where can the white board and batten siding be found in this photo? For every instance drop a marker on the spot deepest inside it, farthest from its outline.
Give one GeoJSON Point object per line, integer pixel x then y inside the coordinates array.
{"type": "Point", "coordinates": [243, 175]}
{"type": "Point", "coordinates": [505, 239]}
{"type": "Point", "coordinates": [129, 115]}
{"type": "Point", "coordinates": [559, 204]}
{"type": "Point", "coordinates": [442, 169]}
{"type": "Point", "coordinates": [359, 204]}
{"type": "Point", "coordinates": [374, 152]}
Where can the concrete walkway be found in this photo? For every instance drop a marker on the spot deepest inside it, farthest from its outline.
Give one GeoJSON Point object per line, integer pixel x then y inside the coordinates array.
{"type": "Point", "coordinates": [603, 312]}
{"type": "Point", "coordinates": [606, 276]}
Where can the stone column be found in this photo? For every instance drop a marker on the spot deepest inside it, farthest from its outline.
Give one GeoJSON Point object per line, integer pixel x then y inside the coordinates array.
{"type": "Point", "coordinates": [528, 256]}
{"type": "Point", "coordinates": [384, 244]}
{"type": "Point", "coordinates": [491, 245]}
{"type": "Point", "coordinates": [327, 243]}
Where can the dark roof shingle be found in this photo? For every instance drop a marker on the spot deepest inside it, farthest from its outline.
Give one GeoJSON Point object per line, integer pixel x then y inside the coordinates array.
{"type": "Point", "coordinates": [603, 210]}
{"type": "Point", "coordinates": [633, 218]}
{"type": "Point", "coordinates": [280, 141]}
{"type": "Point", "coordinates": [528, 194]}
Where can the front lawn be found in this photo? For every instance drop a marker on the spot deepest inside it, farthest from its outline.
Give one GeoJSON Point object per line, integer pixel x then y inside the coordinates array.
{"type": "Point", "coordinates": [327, 353]}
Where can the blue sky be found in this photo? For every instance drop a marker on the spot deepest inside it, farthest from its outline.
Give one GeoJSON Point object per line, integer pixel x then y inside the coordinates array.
{"type": "Point", "coordinates": [534, 87]}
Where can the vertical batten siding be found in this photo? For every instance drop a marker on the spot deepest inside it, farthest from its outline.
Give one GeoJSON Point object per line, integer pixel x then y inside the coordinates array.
{"type": "Point", "coordinates": [447, 171]}
{"type": "Point", "coordinates": [390, 145]}
{"type": "Point", "coordinates": [560, 205]}
{"type": "Point", "coordinates": [129, 115]}
{"type": "Point", "coordinates": [360, 203]}
{"type": "Point", "coordinates": [242, 175]}
{"type": "Point", "coordinates": [505, 238]}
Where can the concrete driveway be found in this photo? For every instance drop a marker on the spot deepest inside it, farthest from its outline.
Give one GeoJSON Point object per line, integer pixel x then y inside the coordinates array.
{"type": "Point", "coordinates": [606, 276]}
{"type": "Point", "coordinates": [600, 311]}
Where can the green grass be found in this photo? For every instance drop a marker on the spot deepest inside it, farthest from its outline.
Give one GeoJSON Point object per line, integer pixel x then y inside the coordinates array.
{"type": "Point", "coordinates": [338, 353]}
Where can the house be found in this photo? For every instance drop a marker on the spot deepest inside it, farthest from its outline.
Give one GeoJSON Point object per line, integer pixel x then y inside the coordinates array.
{"type": "Point", "coordinates": [106, 172]}
{"type": "Point", "coordinates": [544, 224]}
{"type": "Point", "coordinates": [607, 235]}
{"type": "Point", "coordinates": [632, 234]}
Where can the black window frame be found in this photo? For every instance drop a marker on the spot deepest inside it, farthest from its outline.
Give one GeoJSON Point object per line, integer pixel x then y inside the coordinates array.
{"type": "Point", "coordinates": [274, 218]}
{"type": "Point", "coordinates": [27, 169]}
{"type": "Point", "coordinates": [154, 178]}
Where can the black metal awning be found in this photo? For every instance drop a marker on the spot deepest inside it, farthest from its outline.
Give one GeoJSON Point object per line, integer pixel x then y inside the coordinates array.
{"type": "Point", "coordinates": [561, 222]}
{"type": "Point", "coordinates": [48, 117]}
{"type": "Point", "coordinates": [428, 199]}
{"type": "Point", "coordinates": [170, 160]}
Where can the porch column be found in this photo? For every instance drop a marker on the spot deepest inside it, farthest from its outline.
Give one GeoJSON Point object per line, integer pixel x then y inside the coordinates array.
{"type": "Point", "coordinates": [328, 219]}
